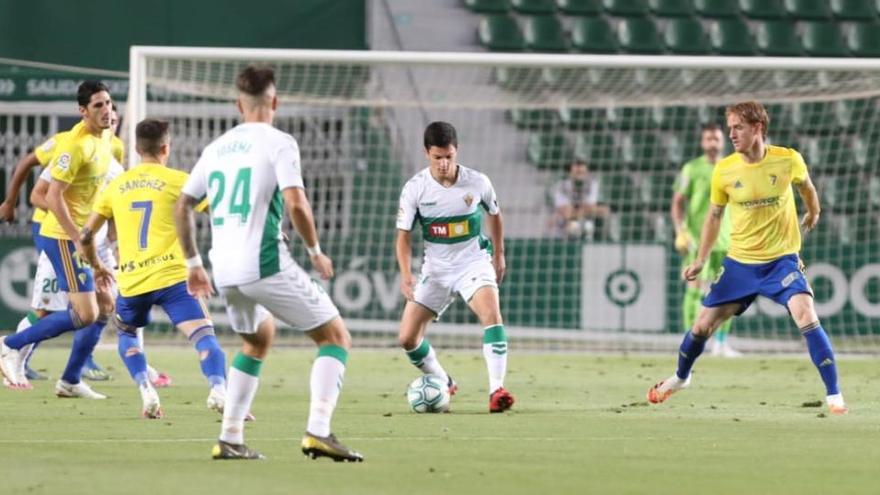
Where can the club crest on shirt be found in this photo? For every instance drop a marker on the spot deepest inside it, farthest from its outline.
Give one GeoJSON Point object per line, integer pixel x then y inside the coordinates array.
{"type": "Point", "coordinates": [468, 199]}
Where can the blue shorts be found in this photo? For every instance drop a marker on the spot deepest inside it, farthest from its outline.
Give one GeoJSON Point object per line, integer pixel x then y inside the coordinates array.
{"type": "Point", "coordinates": [741, 283]}
{"type": "Point", "coordinates": [178, 304]}
{"type": "Point", "coordinates": [74, 273]}
{"type": "Point", "coordinates": [35, 234]}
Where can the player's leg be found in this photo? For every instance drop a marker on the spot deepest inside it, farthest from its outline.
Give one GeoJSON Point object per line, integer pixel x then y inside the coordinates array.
{"type": "Point", "coordinates": [693, 294]}
{"type": "Point", "coordinates": [819, 346]}
{"type": "Point", "coordinates": [91, 369]}
{"type": "Point", "coordinates": [84, 341]}
{"type": "Point", "coordinates": [158, 378]}
{"type": "Point", "coordinates": [297, 300]}
{"type": "Point", "coordinates": [431, 297]}
{"type": "Point", "coordinates": [485, 304]}
{"type": "Point", "coordinates": [132, 313]}
{"type": "Point", "coordinates": [692, 345]}
{"type": "Point", "coordinates": [190, 316]}
{"type": "Point", "coordinates": [46, 298]}
{"type": "Point", "coordinates": [257, 329]}
{"type": "Point", "coordinates": [720, 344]}
{"type": "Point", "coordinates": [76, 280]}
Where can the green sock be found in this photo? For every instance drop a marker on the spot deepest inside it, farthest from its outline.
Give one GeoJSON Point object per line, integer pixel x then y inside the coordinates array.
{"type": "Point", "coordinates": [691, 306]}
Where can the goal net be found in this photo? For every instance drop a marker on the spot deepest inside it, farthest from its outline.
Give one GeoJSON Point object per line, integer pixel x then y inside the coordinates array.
{"type": "Point", "coordinates": [608, 283]}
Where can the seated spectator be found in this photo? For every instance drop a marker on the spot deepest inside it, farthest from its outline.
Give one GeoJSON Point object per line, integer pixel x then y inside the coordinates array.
{"type": "Point", "coordinates": [578, 212]}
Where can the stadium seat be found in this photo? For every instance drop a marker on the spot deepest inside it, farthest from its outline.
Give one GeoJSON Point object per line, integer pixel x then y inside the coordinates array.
{"type": "Point", "coordinates": [633, 227]}
{"type": "Point", "coordinates": [533, 119]}
{"type": "Point", "coordinates": [618, 190]}
{"type": "Point", "coordinates": [544, 33]}
{"type": "Point", "coordinates": [807, 9]}
{"type": "Point", "coordinates": [582, 119]}
{"type": "Point", "coordinates": [845, 193]}
{"type": "Point", "coordinates": [686, 37]}
{"type": "Point", "coordinates": [549, 151]}
{"type": "Point", "coordinates": [599, 150]}
{"type": "Point", "coordinates": [626, 7]}
{"type": "Point", "coordinates": [580, 7]}
{"type": "Point", "coordinates": [672, 8]}
{"type": "Point", "coordinates": [500, 32]}
{"type": "Point", "coordinates": [864, 39]}
{"type": "Point", "coordinates": [823, 39]}
{"type": "Point", "coordinates": [762, 9]}
{"type": "Point", "coordinates": [639, 35]}
{"type": "Point", "coordinates": [630, 118]}
{"type": "Point", "coordinates": [656, 191]}
{"type": "Point", "coordinates": [488, 6]}
{"type": "Point", "coordinates": [731, 37]}
{"type": "Point", "coordinates": [642, 151]}
{"type": "Point", "coordinates": [853, 10]}
{"type": "Point", "coordinates": [593, 35]}
{"type": "Point", "coordinates": [717, 8]}
{"type": "Point", "coordinates": [678, 117]}
{"type": "Point", "coordinates": [534, 6]}
{"type": "Point", "coordinates": [778, 38]}
{"type": "Point", "coordinates": [813, 117]}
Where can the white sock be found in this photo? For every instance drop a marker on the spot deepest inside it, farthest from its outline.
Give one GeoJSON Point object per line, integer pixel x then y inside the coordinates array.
{"type": "Point", "coordinates": [240, 391]}
{"type": "Point", "coordinates": [424, 358]}
{"type": "Point", "coordinates": [325, 384]}
{"type": "Point", "coordinates": [140, 336]}
{"type": "Point", "coordinates": [495, 353]}
{"type": "Point", "coordinates": [23, 325]}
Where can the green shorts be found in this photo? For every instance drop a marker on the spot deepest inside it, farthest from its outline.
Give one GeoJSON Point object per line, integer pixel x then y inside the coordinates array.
{"type": "Point", "coordinates": [712, 268]}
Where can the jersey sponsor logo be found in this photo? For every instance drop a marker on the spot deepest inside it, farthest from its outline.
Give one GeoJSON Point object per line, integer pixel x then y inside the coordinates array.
{"type": "Point", "coordinates": [428, 203]}
{"type": "Point", "coordinates": [449, 230]}
{"type": "Point", "coordinates": [130, 266]}
{"type": "Point", "coordinates": [63, 161]}
{"type": "Point", "coordinates": [760, 203]}
{"type": "Point", "coordinates": [468, 199]}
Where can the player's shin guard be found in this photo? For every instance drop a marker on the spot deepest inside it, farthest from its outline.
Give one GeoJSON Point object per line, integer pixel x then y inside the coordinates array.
{"type": "Point", "coordinates": [46, 328]}
{"type": "Point", "coordinates": [325, 383]}
{"type": "Point", "coordinates": [241, 387]}
{"type": "Point", "coordinates": [822, 355]}
{"type": "Point", "coordinates": [84, 342]}
{"type": "Point", "coordinates": [133, 357]}
{"type": "Point", "coordinates": [691, 348]}
{"type": "Point", "coordinates": [212, 360]}
{"type": "Point", "coordinates": [495, 353]}
{"type": "Point", "coordinates": [424, 358]}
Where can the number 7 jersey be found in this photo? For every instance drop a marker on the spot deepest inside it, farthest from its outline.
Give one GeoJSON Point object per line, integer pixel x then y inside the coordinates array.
{"type": "Point", "coordinates": [242, 173]}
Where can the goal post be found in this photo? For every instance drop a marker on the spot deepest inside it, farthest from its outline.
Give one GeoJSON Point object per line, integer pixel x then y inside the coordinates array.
{"type": "Point", "coordinates": [609, 282]}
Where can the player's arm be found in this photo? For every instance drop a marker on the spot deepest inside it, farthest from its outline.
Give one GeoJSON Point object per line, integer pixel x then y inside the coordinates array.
{"type": "Point", "coordinates": [197, 282]}
{"type": "Point", "coordinates": [808, 193]}
{"type": "Point", "coordinates": [403, 250]}
{"type": "Point", "coordinates": [38, 193]}
{"type": "Point", "coordinates": [711, 228]}
{"type": "Point", "coordinates": [495, 223]}
{"type": "Point", "coordinates": [103, 275]}
{"type": "Point", "coordinates": [303, 219]}
{"type": "Point", "coordinates": [19, 176]}
{"type": "Point", "coordinates": [676, 210]}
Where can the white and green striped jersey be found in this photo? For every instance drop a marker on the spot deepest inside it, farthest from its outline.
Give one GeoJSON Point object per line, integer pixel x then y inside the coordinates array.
{"type": "Point", "coordinates": [242, 173]}
{"type": "Point", "coordinates": [450, 217]}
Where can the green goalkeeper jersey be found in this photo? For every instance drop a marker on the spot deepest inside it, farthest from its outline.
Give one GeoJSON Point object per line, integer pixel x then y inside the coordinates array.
{"type": "Point", "coordinates": [694, 183]}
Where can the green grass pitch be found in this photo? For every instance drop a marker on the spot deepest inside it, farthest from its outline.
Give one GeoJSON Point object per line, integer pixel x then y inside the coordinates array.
{"type": "Point", "coordinates": [580, 425]}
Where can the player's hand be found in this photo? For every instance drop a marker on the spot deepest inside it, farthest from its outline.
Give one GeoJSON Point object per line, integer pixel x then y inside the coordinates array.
{"type": "Point", "coordinates": [809, 221]}
{"type": "Point", "coordinates": [407, 286]}
{"type": "Point", "coordinates": [690, 273]}
{"type": "Point", "coordinates": [198, 283]}
{"type": "Point", "coordinates": [500, 265]}
{"type": "Point", "coordinates": [103, 277]}
{"type": "Point", "coordinates": [7, 211]}
{"type": "Point", "coordinates": [323, 265]}
{"type": "Point", "coordinates": [683, 242]}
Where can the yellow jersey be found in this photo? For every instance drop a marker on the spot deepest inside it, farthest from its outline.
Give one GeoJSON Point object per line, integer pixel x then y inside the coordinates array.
{"type": "Point", "coordinates": [764, 220]}
{"type": "Point", "coordinates": [141, 201]}
{"type": "Point", "coordinates": [46, 151]}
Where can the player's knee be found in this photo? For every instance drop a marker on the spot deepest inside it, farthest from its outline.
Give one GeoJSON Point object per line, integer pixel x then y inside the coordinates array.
{"type": "Point", "coordinates": [86, 316]}
{"type": "Point", "coordinates": [333, 333]}
{"type": "Point", "coordinates": [408, 341]}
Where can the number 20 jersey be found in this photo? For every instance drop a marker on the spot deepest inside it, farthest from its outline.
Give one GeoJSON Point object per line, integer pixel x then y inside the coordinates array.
{"type": "Point", "coordinates": [242, 173]}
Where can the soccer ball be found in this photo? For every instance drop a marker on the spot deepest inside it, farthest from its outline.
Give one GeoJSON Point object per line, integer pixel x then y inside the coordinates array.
{"type": "Point", "coordinates": [428, 394]}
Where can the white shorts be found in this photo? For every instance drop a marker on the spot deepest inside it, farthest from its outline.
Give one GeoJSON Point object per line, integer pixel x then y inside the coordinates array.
{"type": "Point", "coordinates": [46, 294]}
{"type": "Point", "coordinates": [436, 291]}
{"type": "Point", "coordinates": [290, 295]}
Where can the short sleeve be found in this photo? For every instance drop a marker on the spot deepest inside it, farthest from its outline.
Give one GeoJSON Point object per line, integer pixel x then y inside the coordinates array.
{"type": "Point", "coordinates": [560, 197]}
{"type": "Point", "coordinates": [196, 185]}
{"type": "Point", "coordinates": [288, 170]}
{"type": "Point", "coordinates": [408, 207]}
{"type": "Point", "coordinates": [114, 170]}
{"type": "Point", "coordinates": [798, 168]}
{"type": "Point", "coordinates": [117, 148]}
{"type": "Point", "coordinates": [488, 200]}
{"type": "Point", "coordinates": [717, 195]}
{"type": "Point", "coordinates": [104, 204]}
{"type": "Point", "coordinates": [45, 151]}
{"type": "Point", "coordinates": [46, 174]}
{"type": "Point", "coordinates": [683, 182]}
{"type": "Point", "coordinates": [67, 161]}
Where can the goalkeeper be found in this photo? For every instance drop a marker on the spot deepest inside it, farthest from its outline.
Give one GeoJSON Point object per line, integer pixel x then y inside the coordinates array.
{"type": "Point", "coordinates": [690, 203]}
